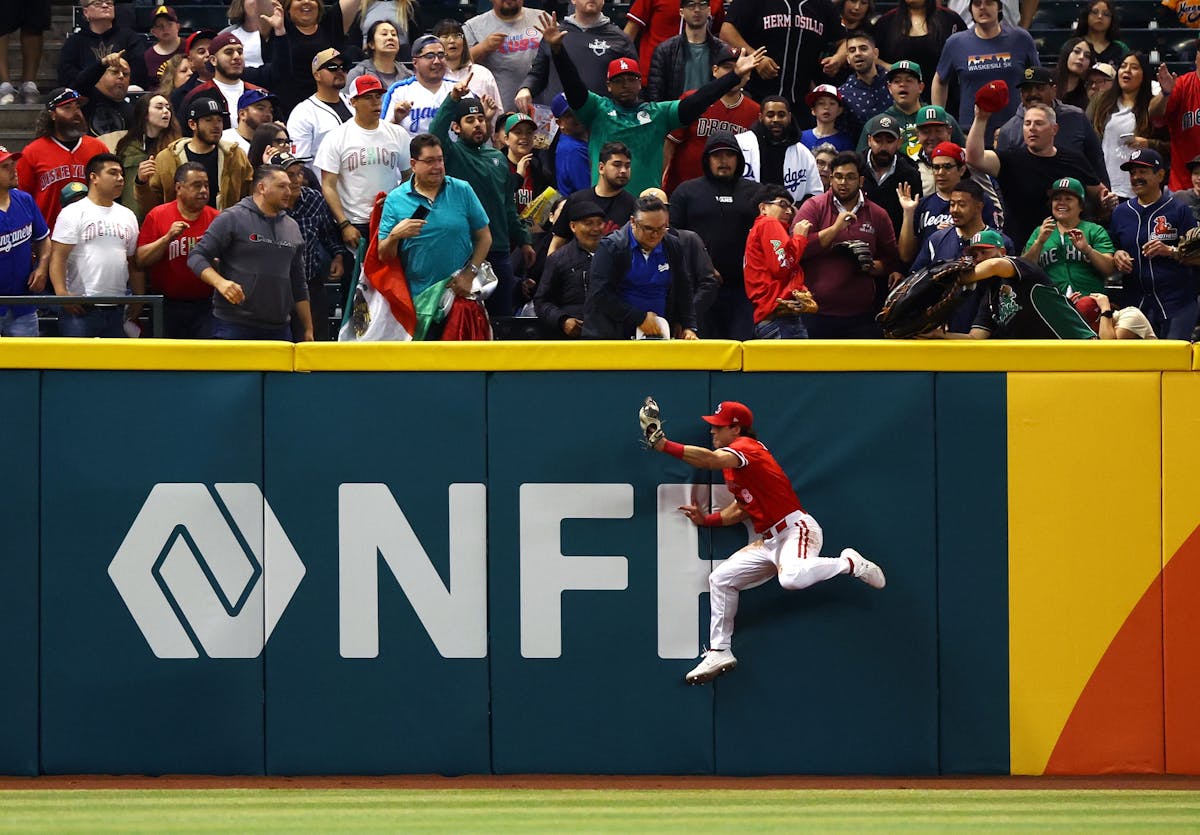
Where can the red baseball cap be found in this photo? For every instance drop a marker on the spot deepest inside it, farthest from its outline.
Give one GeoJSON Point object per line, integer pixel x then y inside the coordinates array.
{"type": "Point", "coordinates": [949, 149]}
{"type": "Point", "coordinates": [6, 154]}
{"type": "Point", "coordinates": [731, 413]}
{"type": "Point", "coordinates": [992, 97]}
{"type": "Point", "coordinates": [622, 66]}
{"type": "Point", "coordinates": [365, 84]}
{"type": "Point", "coordinates": [1089, 309]}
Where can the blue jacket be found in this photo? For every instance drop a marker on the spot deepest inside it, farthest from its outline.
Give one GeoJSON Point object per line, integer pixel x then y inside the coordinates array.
{"type": "Point", "coordinates": [607, 315]}
{"type": "Point", "coordinates": [1166, 286]}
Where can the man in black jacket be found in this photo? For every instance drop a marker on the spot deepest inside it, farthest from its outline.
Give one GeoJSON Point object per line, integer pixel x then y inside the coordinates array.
{"type": "Point", "coordinates": [98, 38]}
{"type": "Point", "coordinates": [721, 207]}
{"type": "Point", "coordinates": [887, 167]}
{"type": "Point", "coordinates": [563, 289]}
{"type": "Point", "coordinates": [679, 63]}
{"type": "Point", "coordinates": [639, 281]}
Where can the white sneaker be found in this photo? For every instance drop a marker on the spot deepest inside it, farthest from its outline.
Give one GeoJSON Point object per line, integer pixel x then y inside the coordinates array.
{"type": "Point", "coordinates": [30, 93]}
{"type": "Point", "coordinates": [8, 95]}
{"type": "Point", "coordinates": [714, 663]}
{"type": "Point", "coordinates": [864, 569]}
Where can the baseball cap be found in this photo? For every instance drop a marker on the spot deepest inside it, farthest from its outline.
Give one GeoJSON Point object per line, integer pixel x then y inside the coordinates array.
{"type": "Point", "coordinates": [730, 413]}
{"type": "Point", "coordinates": [1036, 75]}
{"type": "Point", "coordinates": [1193, 162]}
{"type": "Point", "coordinates": [822, 90]}
{"type": "Point", "coordinates": [1068, 184]}
{"type": "Point", "coordinates": [1143, 158]}
{"type": "Point", "coordinates": [949, 149]}
{"type": "Point", "coordinates": [656, 192]}
{"type": "Point", "coordinates": [622, 66]}
{"type": "Point", "coordinates": [726, 55]}
{"type": "Point", "coordinates": [324, 57]}
{"type": "Point", "coordinates": [63, 95]}
{"type": "Point", "coordinates": [883, 123]}
{"type": "Point", "coordinates": [559, 105]}
{"type": "Point", "coordinates": [911, 67]}
{"type": "Point", "coordinates": [1104, 69]}
{"type": "Point", "coordinates": [254, 96]}
{"type": "Point", "coordinates": [222, 40]}
{"type": "Point", "coordinates": [992, 97]}
{"type": "Point", "coordinates": [72, 192]}
{"type": "Point", "coordinates": [585, 209]}
{"type": "Point", "coordinates": [204, 106]}
{"type": "Point", "coordinates": [165, 11]}
{"type": "Point", "coordinates": [988, 237]}
{"type": "Point", "coordinates": [1089, 309]}
{"type": "Point", "coordinates": [365, 84]}
{"type": "Point", "coordinates": [424, 41]}
{"type": "Point", "coordinates": [467, 106]}
{"type": "Point", "coordinates": [285, 159]}
{"type": "Point", "coordinates": [198, 35]}
{"type": "Point", "coordinates": [6, 154]}
{"type": "Point", "coordinates": [516, 119]}
{"type": "Point", "coordinates": [932, 114]}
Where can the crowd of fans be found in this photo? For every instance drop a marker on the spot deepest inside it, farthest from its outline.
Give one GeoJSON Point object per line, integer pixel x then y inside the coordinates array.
{"type": "Point", "coordinates": [739, 170]}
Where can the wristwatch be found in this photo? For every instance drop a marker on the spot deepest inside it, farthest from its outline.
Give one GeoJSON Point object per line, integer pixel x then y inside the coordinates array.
{"type": "Point", "coordinates": [1107, 314]}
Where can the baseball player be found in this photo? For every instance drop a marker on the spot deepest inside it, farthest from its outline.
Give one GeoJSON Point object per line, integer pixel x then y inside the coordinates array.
{"type": "Point", "coordinates": [789, 543]}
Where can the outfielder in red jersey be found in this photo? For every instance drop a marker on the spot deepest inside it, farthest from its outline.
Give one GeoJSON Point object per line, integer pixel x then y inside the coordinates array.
{"type": "Point", "coordinates": [60, 153]}
{"type": "Point", "coordinates": [1182, 113]}
{"type": "Point", "coordinates": [789, 543]}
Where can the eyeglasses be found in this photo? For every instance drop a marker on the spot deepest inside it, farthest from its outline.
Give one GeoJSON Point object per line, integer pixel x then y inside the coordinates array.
{"type": "Point", "coordinates": [651, 230]}
{"type": "Point", "coordinates": [700, 5]}
{"type": "Point", "coordinates": [944, 166]}
{"type": "Point", "coordinates": [282, 140]}
{"type": "Point", "coordinates": [433, 56]}
{"type": "Point", "coordinates": [334, 67]}
{"type": "Point", "coordinates": [452, 36]}
{"type": "Point", "coordinates": [781, 203]}
{"type": "Point", "coordinates": [430, 160]}
{"type": "Point", "coordinates": [844, 178]}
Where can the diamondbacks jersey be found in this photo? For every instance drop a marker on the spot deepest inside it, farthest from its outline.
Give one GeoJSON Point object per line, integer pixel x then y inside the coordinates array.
{"type": "Point", "coordinates": [424, 103]}
{"type": "Point", "coordinates": [759, 485]}
{"type": "Point", "coordinates": [690, 140]}
{"type": "Point", "coordinates": [47, 165]}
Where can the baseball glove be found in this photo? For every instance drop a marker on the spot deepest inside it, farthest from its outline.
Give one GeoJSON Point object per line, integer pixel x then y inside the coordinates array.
{"type": "Point", "coordinates": [651, 422]}
{"type": "Point", "coordinates": [925, 300]}
{"type": "Point", "coordinates": [805, 299]}
{"type": "Point", "coordinates": [1189, 244]}
{"type": "Point", "coordinates": [859, 251]}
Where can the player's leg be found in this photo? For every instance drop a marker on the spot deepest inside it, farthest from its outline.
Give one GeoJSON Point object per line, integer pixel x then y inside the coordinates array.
{"type": "Point", "coordinates": [749, 567]}
{"type": "Point", "coordinates": [801, 564]}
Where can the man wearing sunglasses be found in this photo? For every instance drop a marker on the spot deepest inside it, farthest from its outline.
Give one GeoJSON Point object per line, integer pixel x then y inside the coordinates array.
{"type": "Point", "coordinates": [59, 153]}
{"type": "Point", "coordinates": [324, 110]}
{"type": "Point", "coordinates": [83, 49]}
{"type": "Point", "coordinates": [413, 102]}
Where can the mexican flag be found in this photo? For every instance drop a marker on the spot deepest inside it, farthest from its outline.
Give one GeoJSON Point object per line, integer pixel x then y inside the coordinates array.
{"type": "Point", "coordinates": [381, 308]}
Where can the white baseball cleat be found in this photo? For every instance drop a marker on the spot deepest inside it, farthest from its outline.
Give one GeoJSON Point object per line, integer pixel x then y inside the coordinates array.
{"type": "Point", "coordinates": [714, 663]}
{"type": "Point", "coordinates": [864, 569]}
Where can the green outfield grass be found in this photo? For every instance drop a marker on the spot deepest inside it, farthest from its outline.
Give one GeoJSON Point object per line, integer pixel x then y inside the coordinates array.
{"type": "Point", "coordinates": [532, 811]}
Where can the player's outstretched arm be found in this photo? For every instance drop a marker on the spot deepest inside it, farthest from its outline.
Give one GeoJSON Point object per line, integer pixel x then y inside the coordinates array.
{"type": "Point", "coordinates": [698, 456]}
{"type": "Point", "coordinates": [730, 514]}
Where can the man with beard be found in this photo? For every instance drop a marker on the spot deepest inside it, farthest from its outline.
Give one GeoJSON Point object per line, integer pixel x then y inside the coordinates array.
{"type": "Point", "coordinates": [651, 23]}
{"type": "Point", "coordinates": [843, 286]}
{"type": "Point", "coordinates": [622, 116]}
{"type": "Point", "coordinates": [720, 207]}
{"type": "Point", "coordinates": [231, 77]}
{"type": "Point", "coordinates": [59, 153]}
{"type": "Point", "coordinates": [609, 194]}
{"type": "Point", "coordinates": [1146, 231]}
{"type": "Point", "coordinates": [679, 63]}
{"type": "Point", "coordinates": [324, 110]}
{"type": "Point", "coordinates": [473, 160]}
{"type": "Point", "coordinates": [926, 216]}
{"type": "Point", "coordinates": [594, 42]}
{"type": "Point", "coordinates": [226, 164]}
{"type": "Point", "coordinates": [563, 289]}
{"type": "Point", "coordinates": [104, 86]}
{"type": "Point", "coordinates": [866, 92]}
{"type": "Point", "coordinates": [505, 40]}
{"type": "Point", "coordinates": [412, 102]}
{"type": "Point", "coordinates": [254, 109]}
{"type": "Point", "coordinates": [774, 153]}
{"type": "Point", "coordinates": [887, 168]}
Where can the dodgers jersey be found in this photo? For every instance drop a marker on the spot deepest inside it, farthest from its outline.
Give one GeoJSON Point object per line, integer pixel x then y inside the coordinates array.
{"type": "Point", "coordinates": [759, 485]}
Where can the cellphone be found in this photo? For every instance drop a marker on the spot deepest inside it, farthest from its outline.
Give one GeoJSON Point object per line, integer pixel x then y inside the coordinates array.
{"type": "Point", "coordinates": [421, 213]}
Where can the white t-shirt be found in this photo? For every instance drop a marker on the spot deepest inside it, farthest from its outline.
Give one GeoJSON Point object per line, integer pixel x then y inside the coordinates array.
{"type": "Point", "coordinates": [231, 135]}
{"type": "Point", "coordinates": [366, 162]}
{"type": "Point", "coordinates": [231, 92]}
{"type": "Point", "coordinates": [105, 238]}
{"type": "Point", "coordinates": [425, 104]}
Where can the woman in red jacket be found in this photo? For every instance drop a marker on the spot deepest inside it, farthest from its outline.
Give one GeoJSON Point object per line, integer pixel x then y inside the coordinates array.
{"type": "Point", "coordinates": [773, 275]}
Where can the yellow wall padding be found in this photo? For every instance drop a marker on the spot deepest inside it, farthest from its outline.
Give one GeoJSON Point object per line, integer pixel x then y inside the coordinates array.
{"type": "Point", "coordinates": [1084, 536]}
{"type": "Point", "coordinates": [965, 355]}
{"type": "Point", "coordinates": [146, 354]}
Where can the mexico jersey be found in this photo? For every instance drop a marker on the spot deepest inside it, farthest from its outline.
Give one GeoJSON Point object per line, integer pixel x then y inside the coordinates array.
{"type": "Point", "coordinates": [424, 103]}
{"type": "Point", "coordinates": [47, 165]}
{"type": "Point", "coordinates": [759, 485]}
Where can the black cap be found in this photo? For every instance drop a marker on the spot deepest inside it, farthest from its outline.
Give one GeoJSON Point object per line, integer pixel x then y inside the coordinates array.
{"type": "Point", "coordinates": [468, 106]}
{"type": "Point", "coordinates": [726, 55]}
{"type": "Point", "coordinates": [1036, 75]}
{"type": "Point", "coordinates": [204, 106]}
{"type": "Point", "coordinates": [585, 209]}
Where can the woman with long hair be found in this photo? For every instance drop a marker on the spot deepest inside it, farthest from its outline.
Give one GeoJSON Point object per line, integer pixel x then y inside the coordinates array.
{"type": "Point", "coordinates": [382, 47]}
{"type": "Point", "coordinates": [917, 30]}
{"type": "Point", "coordinates": [173, 74]}
{"type": "Point", "coordinates": [1121, 116]}
{"type": "Point", "coordinates": [1074, 63]}
{"type": "Point", "coordinates": [458, 61]}
{"type": "Point", "coordinates": [152, 128]}
{"type": "Point", "coordinates": [268, 139]}
{"type": "Point", "coordinates": [403, 14]}
{"type": "Point", "coordinates": [1099, 26]}
{"type": "Point", "coordinates": [243, 22]}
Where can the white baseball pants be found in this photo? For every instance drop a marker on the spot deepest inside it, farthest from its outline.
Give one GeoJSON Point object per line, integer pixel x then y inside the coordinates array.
{"type": "Point", "coordinates": [793, 555]}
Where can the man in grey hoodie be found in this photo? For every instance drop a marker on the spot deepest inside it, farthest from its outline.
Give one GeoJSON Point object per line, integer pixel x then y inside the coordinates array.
{"type": "Point", "coordinates": [252, 257]}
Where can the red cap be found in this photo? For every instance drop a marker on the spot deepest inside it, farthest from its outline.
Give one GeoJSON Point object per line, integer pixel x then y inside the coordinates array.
{"type": "Point", "coordinates": [1089, 309]}
{"type": "Point", "coordinates": [6, 154]}
{"type": "Point", "coordinates": [622, 66]}
{"type": "Point", "coordinates": [731, 413]}
{"type": "Point", "coordinates": [949, 149]}
{"type": "Point", "coordinates": [992, 97]}
{"type": "Point", "coordinates": [365, 84]}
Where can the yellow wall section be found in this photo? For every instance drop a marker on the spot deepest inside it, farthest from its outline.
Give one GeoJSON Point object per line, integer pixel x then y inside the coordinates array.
{"type": "Point", "coordinates": [1181, 445]}
{"type": "Point", "coordinates": [1084, 537]}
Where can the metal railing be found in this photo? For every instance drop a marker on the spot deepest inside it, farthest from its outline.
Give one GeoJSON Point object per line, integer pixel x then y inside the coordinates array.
{"type": "Point", "coordinates": [155, 302]}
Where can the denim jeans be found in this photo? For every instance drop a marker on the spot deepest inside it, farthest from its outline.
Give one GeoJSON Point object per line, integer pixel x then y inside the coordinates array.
{"type": "Point", "coordinates": [24, 325]}
{"type": "Point", "coordinates": [1177, 326]}
{"type": "Point", "coordinates": [96, 321]}
{"type": "Point", "coordinates": [236, 330]}
{"type": "Point", "coordinates": [788, 327]}
{"type": "Point", "coordinates": [187, 319]}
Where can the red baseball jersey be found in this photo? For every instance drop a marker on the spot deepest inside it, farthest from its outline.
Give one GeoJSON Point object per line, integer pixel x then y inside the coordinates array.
{"type": "Point", "coordinates": [772, 266]}
{"type": "Point", "coordinates": [689, 140]}
{"type": "Point", "coordinates": [1183, 110]}
{"type": "Point", "coordinates": [171, 276]}
{"type": "Point", "coordinates": [759, 485]}
{"type": "Point", "coordinates": [47, 165]}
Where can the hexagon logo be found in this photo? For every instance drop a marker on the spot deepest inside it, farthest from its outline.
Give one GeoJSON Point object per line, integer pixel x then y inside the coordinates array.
{"type": "Point", "coordinates": [206, 569]}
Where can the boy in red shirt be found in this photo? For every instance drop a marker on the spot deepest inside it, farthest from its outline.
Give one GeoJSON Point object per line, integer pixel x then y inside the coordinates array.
{"type": "Point", "coordinates": [789, 543]}
{"type": "Point", "coordinates": [773, 275]}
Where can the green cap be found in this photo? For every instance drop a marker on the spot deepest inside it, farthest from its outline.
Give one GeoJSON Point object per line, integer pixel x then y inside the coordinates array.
{"type": "Point", "coordinates": [988, 237]}
{"type": "Point", "coordinates": [72, 192]}
{"type": "Point", "coordinates": [931, 114]}
{"type": "Point", "coordinates": [905, 66]}
{"type": "Point", "coordinates": [1067, 184]}
{"type": "Point", "coordinates": [516, 119]}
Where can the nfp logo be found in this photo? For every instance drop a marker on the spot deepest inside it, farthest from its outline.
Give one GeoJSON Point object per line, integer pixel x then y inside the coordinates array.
{"type": "Point", "coordinates": [197, 561]}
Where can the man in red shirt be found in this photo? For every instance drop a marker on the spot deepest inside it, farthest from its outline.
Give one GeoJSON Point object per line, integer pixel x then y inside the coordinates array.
{"type": "Point", "coordinates": [169, 233]}
{"type": "Point", "coordinates": [59, 154]}
{"type": "Point", "coordinates": [772, 272]}
{"type": "Point", "coordinates": [789, 543]}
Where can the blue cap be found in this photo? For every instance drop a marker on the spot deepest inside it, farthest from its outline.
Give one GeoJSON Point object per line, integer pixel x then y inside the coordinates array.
{"type": "Point", "coordinates": [254, 96]}
{"type": "Point", "coordinates": [559, 106]}
{"type": "Point", "coordinates": [1143, 158]}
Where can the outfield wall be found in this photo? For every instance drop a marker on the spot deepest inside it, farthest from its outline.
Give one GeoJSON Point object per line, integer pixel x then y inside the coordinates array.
{"type": "Point", "coordinates": [457, 559]}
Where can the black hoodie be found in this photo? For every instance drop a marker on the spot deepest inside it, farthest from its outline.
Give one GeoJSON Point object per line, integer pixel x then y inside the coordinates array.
{"type": "Point", "coordinates": [719, 210]}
